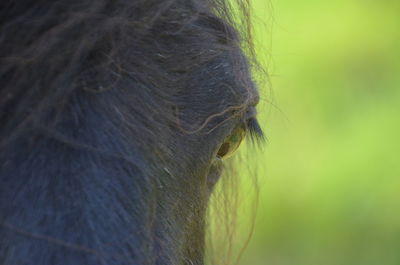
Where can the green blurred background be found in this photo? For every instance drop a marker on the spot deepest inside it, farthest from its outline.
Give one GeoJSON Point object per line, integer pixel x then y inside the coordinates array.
{"type": "Point", "coordinates": [330, 171]}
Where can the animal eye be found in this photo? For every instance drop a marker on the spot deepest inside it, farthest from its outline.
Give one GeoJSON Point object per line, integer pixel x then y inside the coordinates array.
{"type": "Point", "coordinates": [232, 143]}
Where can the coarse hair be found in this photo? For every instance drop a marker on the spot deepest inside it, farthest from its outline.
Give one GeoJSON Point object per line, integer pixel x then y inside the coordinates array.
{"type": "Point", "coordinates": [51, 51]}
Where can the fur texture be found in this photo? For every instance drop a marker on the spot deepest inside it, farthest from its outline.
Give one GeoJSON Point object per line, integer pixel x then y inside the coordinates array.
{"type": "Point", "coordinates": [112, 113]}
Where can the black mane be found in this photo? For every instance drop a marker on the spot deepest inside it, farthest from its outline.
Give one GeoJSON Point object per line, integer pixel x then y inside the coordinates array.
{"type": "Point", "coordinates": [109, 112]}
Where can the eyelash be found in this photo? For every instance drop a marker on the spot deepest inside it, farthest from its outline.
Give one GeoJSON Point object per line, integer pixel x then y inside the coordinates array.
{"type": "Point", "coordinates": [255, 130]}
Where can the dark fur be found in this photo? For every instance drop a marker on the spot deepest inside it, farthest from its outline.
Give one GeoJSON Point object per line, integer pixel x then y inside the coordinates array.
{"type": "Point", "coordinates": [111, 115]}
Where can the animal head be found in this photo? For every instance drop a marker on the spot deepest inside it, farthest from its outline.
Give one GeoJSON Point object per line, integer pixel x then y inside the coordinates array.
{"type": "Point", "coordinates": [116, 117]}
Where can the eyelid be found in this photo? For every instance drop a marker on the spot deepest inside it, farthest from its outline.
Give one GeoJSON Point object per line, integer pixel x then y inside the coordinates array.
{"type": "Point", "coordinates": [250, 126]}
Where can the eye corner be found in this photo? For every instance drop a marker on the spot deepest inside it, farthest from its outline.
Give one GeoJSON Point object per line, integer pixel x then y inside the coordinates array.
{"type": "Point", "coordinates": [223, 151]}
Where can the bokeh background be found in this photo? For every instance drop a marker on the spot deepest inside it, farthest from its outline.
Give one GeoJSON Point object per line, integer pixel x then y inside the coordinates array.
{"type": "Point", "coordinates": [329, 174]}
